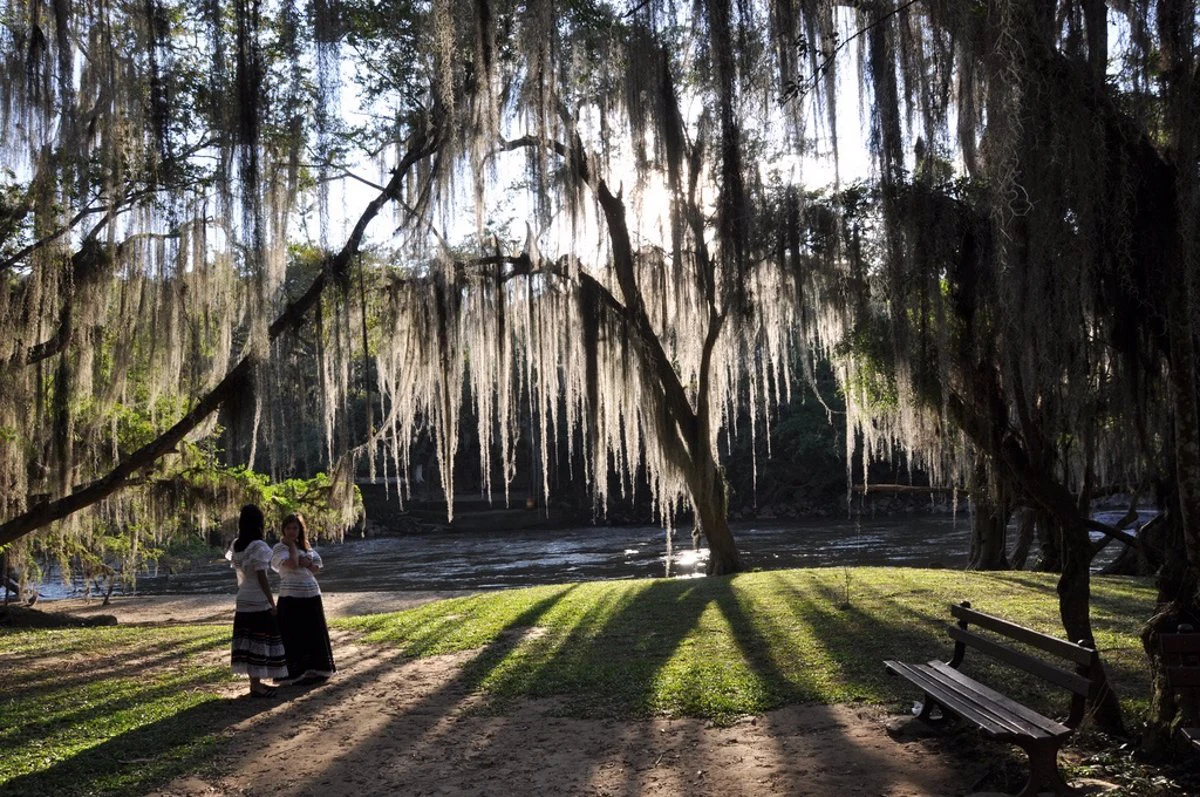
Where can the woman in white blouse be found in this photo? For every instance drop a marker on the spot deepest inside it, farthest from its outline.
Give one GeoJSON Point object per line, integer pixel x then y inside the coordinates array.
{"type": "Point", "coordinates": [257, 644]}
{"type": "Point", "coordinates": [301, 613]}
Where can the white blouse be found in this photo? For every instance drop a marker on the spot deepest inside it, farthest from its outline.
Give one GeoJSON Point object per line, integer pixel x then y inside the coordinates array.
{"type": "Point", "coordinates": [295, 582]}
{"type": "Point", "coordinates": [246, 563]}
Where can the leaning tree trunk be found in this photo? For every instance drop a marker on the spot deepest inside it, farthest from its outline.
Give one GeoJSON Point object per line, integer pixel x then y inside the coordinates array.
{"type": "Point", "coordinates": [1149, 555]}
{"type": "Point", "coordinates": [423, 145]}
{"type": "Point", "coordinates": [1059, 520]}
{"type": "Point", "coordinates": [687, 442]}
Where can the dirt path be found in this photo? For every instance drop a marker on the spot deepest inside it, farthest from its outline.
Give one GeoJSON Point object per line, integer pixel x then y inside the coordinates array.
{"type": "Point", "coordinates": [386, 725]}
{"type": "Point", "coordinates": [390, 725]}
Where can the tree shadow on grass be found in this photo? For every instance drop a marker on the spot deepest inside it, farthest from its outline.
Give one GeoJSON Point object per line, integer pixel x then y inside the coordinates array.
{"type": "Point", "coordinates": [617, 656]}
{"type": "Point", "coordinates": [852, 642]}
{"type": "Point", "coordinates": [613, 658]}
{"type": "Point", "coordinates": [1128, 596]}
{"type": "Point", "coordinates": [397, 726]}
{"type": "Point", "coordinates": [37, 677]}
{"type": "Point", "coordinates": [99, 712]}
{"type": "Point", "coordinates": [138, 759]}
{"type": "Point", "coordinates": [520, 655]}
{"type": "Point", "coordinates": [182, 741]}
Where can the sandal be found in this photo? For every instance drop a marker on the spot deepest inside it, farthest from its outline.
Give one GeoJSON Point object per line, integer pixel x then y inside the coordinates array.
{"type": "Point", "coordinates": [266, 691]}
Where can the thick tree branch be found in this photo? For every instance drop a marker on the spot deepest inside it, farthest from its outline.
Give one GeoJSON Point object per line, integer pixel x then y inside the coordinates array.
{"type": "Point", "coordinates": [50, 238]}
{"type": "Point", "coordinates": [423, 146]}
{"type": "Point", "coordinates": [1111, 531]}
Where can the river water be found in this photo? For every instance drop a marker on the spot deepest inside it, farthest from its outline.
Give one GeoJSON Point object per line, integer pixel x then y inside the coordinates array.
{"type": "Point", "coordinates": [445, 560]}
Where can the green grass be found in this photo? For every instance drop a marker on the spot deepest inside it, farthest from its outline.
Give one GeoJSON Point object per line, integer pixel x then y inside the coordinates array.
{"type": "Point", "coordinates": [121, 710]}
{"type": "Point", "coordinates": [721, 648]}
{"type": "Point", "coordinates": [107, 710]}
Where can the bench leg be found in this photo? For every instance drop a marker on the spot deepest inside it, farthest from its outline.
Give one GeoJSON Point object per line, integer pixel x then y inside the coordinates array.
{"type": "Point", "coordinates": [928, 705]}
{"type": "Point", "coordinates": [1043, 768]}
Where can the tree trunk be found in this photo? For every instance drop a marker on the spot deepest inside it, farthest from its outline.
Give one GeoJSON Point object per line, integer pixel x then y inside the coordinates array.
{"type": "Point", "coordinates": [1167, 208]}
{"type": "Point", "coordinates": [989, 522]}
{"type": "Point", "coordinates": [1026, 521]}
{"type": "Point", "coordinates": [710, 498]}
{"type": "Point", "coordinates": [1177, 586]}
{"type": "Point", "coordinates": [1074, 598]}
{"type": "Point", "coordinates": [691, 450]}
{"type": "Point", "coordinates": [989, 538]}
{"type": "Point", "coordinates": [1059, 521]}
{"type": "Point", "coordinates": [1049, 546]}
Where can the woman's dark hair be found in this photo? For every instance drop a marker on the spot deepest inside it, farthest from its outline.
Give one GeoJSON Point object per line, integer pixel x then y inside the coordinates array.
{"type": "Point", "coordinates": [250, 527]}
{"type": "Point", "coordinates": [302, 536]}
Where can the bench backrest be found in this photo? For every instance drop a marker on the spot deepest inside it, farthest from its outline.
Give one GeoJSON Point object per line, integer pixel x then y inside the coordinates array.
{"type": "Point", "coordinates": [1078, 680]}
{"type": "Point", "coordinates": [1181, 658]}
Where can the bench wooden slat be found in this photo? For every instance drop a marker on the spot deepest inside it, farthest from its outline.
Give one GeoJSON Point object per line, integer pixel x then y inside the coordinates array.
{"type": "Point", "coordinates": [988, 721]}
{"type": "Point", "coordinates": [1049, 726]}
{"type": "Point", "coordinates": [1184, 676]}
{"type": "Point", "coordinates": [1034, 666]}
{"type": "Point", "coordinates": [998, 716]}
{"type": "Point", "coordinates": [1053, 645]}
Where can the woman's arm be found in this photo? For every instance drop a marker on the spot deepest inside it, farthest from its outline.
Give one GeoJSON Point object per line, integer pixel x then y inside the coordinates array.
{"type": "Point", "coordinates": [266, 587]}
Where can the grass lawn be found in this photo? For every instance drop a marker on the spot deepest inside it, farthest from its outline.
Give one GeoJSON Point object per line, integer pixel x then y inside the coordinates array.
{"type": "Point", "coordinates": [118, 710]}
{"type": "Point", "coordinates": [721, 648]}
{"type": "Point", "coordinates": [107, 710]}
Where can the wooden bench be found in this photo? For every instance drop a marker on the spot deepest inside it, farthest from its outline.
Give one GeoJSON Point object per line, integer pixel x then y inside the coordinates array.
{"type": "Point", "coordinates": [1181, 659]}
{"type": "Point", "coordinates": [954, 694]}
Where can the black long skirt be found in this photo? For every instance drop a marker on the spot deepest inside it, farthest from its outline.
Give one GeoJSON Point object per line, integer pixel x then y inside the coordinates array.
{"type": "Point", "coordinates": [305, 637]}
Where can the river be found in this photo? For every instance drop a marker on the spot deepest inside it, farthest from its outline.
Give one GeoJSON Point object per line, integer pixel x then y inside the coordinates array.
{"type": "Point", "coordinates": [470, 560]}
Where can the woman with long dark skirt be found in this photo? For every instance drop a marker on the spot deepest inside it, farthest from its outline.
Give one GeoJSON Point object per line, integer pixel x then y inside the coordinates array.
{"type": "Point", "coordinates": [257, 644]}
{"type": "Point", "coordinates": [301, 612]}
